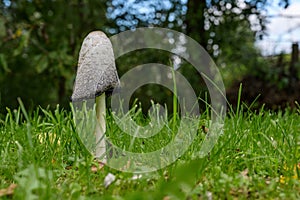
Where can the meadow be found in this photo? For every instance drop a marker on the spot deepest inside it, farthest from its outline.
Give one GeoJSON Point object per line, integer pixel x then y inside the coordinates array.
{"type": "Point", "coordinates": [257, 157]}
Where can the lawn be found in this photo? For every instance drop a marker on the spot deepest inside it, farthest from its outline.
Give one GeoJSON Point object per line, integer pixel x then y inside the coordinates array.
{"type": "Point", "coordinates": [257, 157]}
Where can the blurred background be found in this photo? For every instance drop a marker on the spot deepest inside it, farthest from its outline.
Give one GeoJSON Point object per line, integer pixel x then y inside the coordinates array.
{"type": "Point", "coordinates": [254, 42]}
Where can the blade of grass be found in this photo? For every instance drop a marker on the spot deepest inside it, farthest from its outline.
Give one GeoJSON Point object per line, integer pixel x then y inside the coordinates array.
{"type": "Point", "coordinates": [174, 100]}
{"type": "Point", "coordinates": [239, 99]}
{"type": "Point", "coordinates": [28, 124]}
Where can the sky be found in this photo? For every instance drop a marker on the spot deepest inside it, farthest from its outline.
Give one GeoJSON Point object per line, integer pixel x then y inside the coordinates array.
{"type": "Point", "coordinates": [282, 32]}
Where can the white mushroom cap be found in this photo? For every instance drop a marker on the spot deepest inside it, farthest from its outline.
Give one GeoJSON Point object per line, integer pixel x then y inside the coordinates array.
{"type": "Point", "coordinates": [97, 71]}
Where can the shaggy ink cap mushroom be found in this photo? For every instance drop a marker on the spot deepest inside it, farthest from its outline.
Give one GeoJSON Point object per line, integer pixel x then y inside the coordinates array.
{"type": "Point", "coordinates": [97, 73]}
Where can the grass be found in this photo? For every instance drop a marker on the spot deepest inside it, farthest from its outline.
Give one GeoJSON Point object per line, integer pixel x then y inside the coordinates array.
{"type": "Point", "coordinates": [257, 157]}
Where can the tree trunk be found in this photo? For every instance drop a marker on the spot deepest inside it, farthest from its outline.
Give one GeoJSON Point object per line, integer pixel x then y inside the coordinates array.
{"type": "Point", "coordinates": [293, 76]}
{"type": "Point", "coordinates": [294, 61]}
{"type": "Point", "coordinates": [195, 21]}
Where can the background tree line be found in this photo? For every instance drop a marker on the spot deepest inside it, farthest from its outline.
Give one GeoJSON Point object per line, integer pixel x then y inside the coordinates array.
{"type": "Point", "coordinates": [40, 40]}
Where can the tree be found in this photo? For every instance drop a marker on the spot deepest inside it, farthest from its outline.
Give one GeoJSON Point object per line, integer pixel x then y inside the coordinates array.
{"type": "Point", "coordinates": [39, 47]}
{"type": "Point", "coordinates": [40, 41]}
{"type": "Point", "coordinates": [226, 29]}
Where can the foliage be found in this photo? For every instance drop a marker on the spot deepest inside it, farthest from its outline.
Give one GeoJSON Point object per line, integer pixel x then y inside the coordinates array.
{"type": "Point", "coordinates": [226, 29]}
{"type": "Point", "coordinates": [40, 41]}
{"type": "Point", "coordinates": [39, 48]}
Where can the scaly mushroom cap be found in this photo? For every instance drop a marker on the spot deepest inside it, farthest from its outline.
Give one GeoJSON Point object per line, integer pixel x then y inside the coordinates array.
{"type": "Point", "coordinates": [97, 71]}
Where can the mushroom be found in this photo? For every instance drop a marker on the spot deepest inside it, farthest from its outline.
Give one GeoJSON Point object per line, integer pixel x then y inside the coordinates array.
{"type": "Point", "coordinates": [96, 76]}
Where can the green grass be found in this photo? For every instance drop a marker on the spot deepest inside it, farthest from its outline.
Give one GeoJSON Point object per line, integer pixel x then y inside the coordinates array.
{"type": "Point", "coordinates": [255, 158]}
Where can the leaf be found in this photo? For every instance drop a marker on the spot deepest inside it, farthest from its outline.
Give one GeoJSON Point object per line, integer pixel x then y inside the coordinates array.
{"type": "Point", "coordinates": [26, 37]}
{"type": "Point", "coordinates": [136, 176]}
{"type": "Point", "coordinates": [8, 191]}
{"type": "Point", "coordinates": [3, 63]}
{"type": "Point", "coordinates": [42, 64]}
{"type": "Point", "coordinates": [75, 190]}
{"type": "Point", "coordinates": [109, 179]}
{"type": "Point", "coordinates": [24, 41]}
{"type": "Point", "coordinates": [33, 179]}
{"type": "Point", "coordinates": [245, 173]}
{"type": "Point", "coordinates": [97, 167]}
{"type": "Point", "coordinates": [2, 27]}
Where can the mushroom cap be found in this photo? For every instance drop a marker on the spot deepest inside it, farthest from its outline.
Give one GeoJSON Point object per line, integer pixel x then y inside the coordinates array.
{"type": "Point", "coordinates": [96, 71]}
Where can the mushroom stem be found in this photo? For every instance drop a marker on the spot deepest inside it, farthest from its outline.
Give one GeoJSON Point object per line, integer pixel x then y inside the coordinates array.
{"type": "Point", "coordinates": [96, 74]}
{"type": "Point", "coordinates": [100, 128]}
